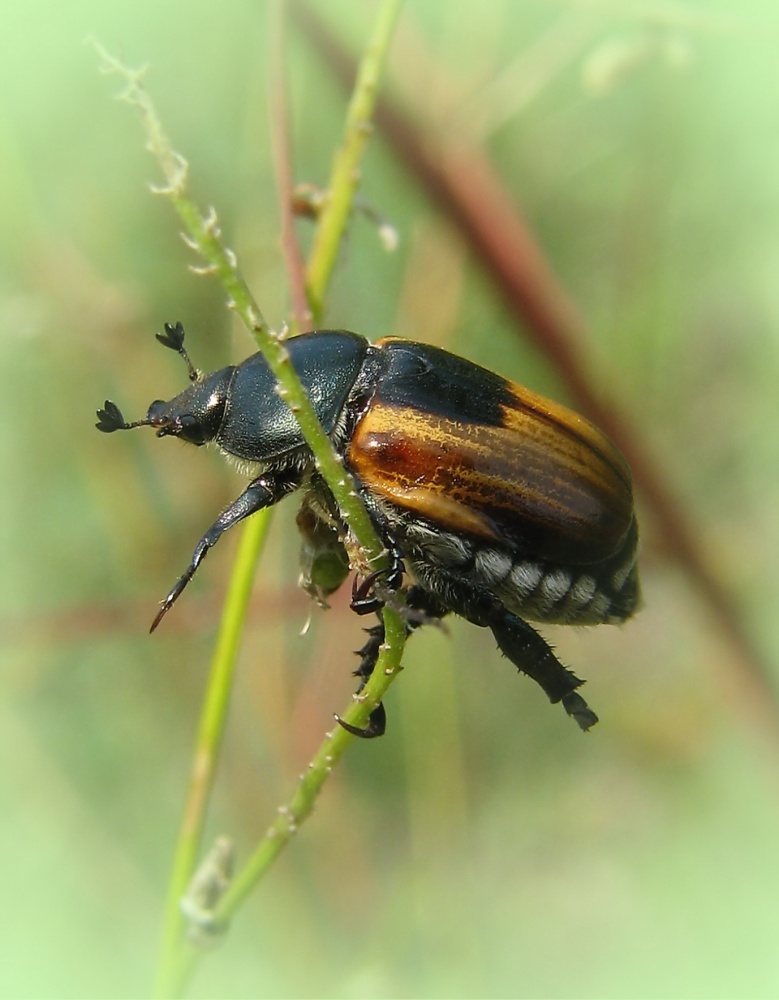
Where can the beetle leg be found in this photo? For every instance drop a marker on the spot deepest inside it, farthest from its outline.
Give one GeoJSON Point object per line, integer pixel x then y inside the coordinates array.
{"type": "Point", "coordinates": [260, 493]}
{"type": "Point", "coordinates": [377, 721]}
{"type": "Point", "coordinates": [377, 724]}
{"type": "Point", "coordinates": [531, 654]}
{"type": "Point", "coordinates": [424, 608]}
{"type": "Point", "coordinates": [370, 652]}
{"type": "Point", "coordinates": [366, 596]}
{"type": "Point", "coordinates": [519, 642]}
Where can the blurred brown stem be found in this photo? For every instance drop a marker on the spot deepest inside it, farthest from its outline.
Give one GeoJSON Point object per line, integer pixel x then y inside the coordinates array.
{"type": "Point", "coordinates": [283, 160]}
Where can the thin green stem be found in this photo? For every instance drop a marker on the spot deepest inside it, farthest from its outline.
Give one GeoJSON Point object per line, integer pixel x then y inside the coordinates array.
{"type": "Point", "coordinates": [202, 233]}
{"type": "Point", "coordinates": [208, 743]}
{"type": "Point", "coordinates": [345, 175]}
{"type": "Point", "coordinates": [293, 813]}
{"type": "Point", "coordinates": [327, 756]}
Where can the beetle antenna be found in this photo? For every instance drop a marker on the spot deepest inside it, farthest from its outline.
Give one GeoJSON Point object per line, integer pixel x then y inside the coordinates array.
{"type": "Point", "coordinates": [173, 337]}
{"type": "Point", "coordinates": [110, 419]}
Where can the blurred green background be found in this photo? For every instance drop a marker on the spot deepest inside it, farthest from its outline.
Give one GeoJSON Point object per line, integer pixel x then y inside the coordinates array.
{"type": "Point", "coordinates": [520, 859]}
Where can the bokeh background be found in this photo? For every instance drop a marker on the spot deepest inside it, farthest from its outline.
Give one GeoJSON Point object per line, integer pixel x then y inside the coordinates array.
{"type": "Point", "coordinates": [518, 858]}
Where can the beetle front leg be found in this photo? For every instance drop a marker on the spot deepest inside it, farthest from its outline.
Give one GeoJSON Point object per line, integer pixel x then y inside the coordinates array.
{"type": "Point", "coordinates": [260, 493]}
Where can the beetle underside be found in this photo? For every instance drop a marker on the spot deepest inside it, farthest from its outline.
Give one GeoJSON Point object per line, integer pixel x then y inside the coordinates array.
{"type": "Point", "coordinates": [488, 585]}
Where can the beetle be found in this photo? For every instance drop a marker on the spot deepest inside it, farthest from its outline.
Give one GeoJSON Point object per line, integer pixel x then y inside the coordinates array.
{"type": "Point", "coordinates": [499, 505]}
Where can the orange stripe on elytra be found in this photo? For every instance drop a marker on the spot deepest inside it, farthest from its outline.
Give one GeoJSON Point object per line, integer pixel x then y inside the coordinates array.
{"type": "Point", "coordinates": [542, 467]}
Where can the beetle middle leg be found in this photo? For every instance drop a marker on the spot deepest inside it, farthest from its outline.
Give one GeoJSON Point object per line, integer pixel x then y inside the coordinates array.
{"type": "Point", "coordinates": [422, 607]}
{"type": "Point", "coordinates": [367, 595]}
{"type": "Point", "coordinates": [369, 655]}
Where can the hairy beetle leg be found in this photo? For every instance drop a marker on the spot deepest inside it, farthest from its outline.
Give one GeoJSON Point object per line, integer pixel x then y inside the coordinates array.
{"type": "Point", "coordinates": [533, 655]}
{"type": "Point", "coordinates": [579, 710]}
{"type": "Point", "coordinates": [369, 653]}
{"type": "Point", "coordinates": [519, 642]}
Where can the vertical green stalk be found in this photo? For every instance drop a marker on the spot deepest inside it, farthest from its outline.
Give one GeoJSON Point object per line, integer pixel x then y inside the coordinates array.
{"type": "Point", "coordinates": [177, 960]}
{"type": "Point", "coordinates": [345, 176]}
{"type": "Point", "coordinates": [208, 744]}
{"type": "Point", "coordinates": [291, 815]}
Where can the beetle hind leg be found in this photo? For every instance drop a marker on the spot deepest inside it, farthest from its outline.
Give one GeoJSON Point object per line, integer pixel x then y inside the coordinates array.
{"type": "Point", "coordinates": [533, 655]}
{"type": "Point", "coordinates": [519, 642]}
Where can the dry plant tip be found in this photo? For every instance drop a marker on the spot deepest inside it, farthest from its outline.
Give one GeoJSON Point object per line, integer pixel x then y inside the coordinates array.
{"type": "Point", "coordinates": [389, 236]}
{"type": "Point", "coordinates": [178, 176]}
{"type": "Point", "coordinates": [207, 886]}
{"type": "Point", "coordinates": [111, 64]}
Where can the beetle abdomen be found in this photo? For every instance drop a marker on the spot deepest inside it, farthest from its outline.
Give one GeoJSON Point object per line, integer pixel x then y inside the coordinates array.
{"type": "Point", "coordinates": [540, 591]}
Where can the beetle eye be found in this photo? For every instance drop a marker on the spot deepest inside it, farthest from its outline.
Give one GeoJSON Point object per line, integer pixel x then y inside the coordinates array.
{"type": "Point", "coordinates": [192, 429]}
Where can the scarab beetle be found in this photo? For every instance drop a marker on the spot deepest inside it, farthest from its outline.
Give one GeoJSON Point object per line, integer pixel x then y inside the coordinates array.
{"type": "Point", "coordinates": [497, 504]}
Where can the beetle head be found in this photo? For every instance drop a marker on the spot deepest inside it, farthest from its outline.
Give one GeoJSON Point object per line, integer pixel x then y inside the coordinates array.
{"type": "Point", "coordinates": [194, 415]}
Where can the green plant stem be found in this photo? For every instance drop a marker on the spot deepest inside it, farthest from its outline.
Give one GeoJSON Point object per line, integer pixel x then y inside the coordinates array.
{"type": "Point", "coordinates": [345, 176]}
{"type": "Point", "coordinates": [327, 756]}
{"type": "Point", "coordinates": [209, 740]}
{"type": "Point", "coordinates": [292, 814]}
{"type": "Point", "coordinates": [177, 961]}
{"type": "Point", "coordinates": [203, 235]}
